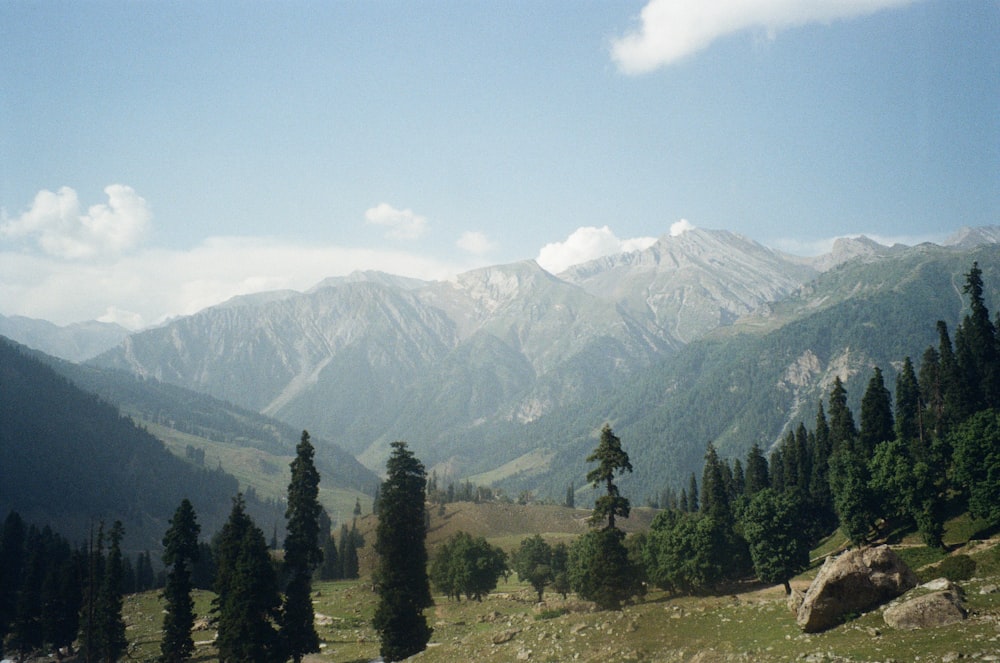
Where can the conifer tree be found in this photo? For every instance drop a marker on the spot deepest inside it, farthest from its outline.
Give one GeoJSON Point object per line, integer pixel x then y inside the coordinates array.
{"type": "Point", "coordinates": [599, 566]}
{"type": "Point", "coordinates": [401, 571]}
{"type": "Point", "coordinates": [247, 604]}
{"type": "Point", "coordinates": [757, 478]}
{"type": "Point", "coordinates": [841, 420]}
{"type": "Point", "coordinates": [692, 493]}
{"type": "Point", "coordinates": [877, 424]}
{"type": "Point", "coordinates": [110, 625]}
{"type": "Point", "coordinates": [979, 359]}
{"type": "Point", "coordinates": [302, 553]}
{"type": "Point", "coordinates": [907, 409]}
{"type": "Point", "coordinates": [611, 459]}
{"type": "Point", "coordinates": [776, 531]}
{"type": "Point", "coordinates": [180, 552]}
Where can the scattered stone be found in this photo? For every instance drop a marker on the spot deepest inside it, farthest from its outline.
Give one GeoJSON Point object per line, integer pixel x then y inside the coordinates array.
{"type": "Point", "coordinates": [505, 636]}
{"type": "Point", "coordinates": [989, 589]}
{"type": "Point", "coordinates": [951, 657]}
{"type": "Point", "coordinates": [576, 628]}
{"type": "Point", "coordinates": [853, 582]}
{"type": "Point", "coordinates": [938, 608]}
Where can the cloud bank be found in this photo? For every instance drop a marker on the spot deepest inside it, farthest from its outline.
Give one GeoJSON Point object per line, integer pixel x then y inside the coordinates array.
{"type": "Point", "coordinates": [56, 223]}
{"type": "Point", "coordinates": [585, 244]}
{"type": "Point", "coordinates": [670, 30]}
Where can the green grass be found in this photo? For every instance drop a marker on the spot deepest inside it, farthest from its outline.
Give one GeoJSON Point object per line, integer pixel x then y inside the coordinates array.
{"type": "Point", "coordinates": [754, 625]}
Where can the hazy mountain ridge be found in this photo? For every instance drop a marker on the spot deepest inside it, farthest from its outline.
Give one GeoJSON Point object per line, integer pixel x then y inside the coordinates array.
{"type": "Point", "coordinates": [505, 361]}
{"type": "Point", "coordinates": [76, 342]}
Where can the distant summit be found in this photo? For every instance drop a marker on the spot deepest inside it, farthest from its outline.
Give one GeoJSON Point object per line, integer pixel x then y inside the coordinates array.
{"type": "Point", "coordinates": [970, 238]}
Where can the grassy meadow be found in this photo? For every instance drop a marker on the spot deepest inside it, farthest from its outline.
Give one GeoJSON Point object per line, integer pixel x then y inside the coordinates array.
{"type": "Point", "coordinates": [749, 622]}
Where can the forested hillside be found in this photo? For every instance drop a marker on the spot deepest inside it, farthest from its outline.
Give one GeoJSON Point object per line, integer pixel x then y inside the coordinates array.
{"type": "Point", "coordinates": [71, 460]}
{"type": "Point", "coordinates": [753, 382]}
{"type": "Point", "coordinates": [206, 417]}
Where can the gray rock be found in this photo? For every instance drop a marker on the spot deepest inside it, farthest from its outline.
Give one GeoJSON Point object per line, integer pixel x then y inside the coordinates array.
{"type": "Point", "coordinates": [854, 582]}
{"type": "Point", "coordinates": [926, 611]}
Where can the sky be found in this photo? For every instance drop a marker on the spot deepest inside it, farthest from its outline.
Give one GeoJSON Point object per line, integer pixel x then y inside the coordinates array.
{"type": "Point", "coordinates": [158, 157]}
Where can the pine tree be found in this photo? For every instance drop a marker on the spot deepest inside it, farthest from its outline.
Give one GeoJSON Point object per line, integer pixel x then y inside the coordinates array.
{"type": "Point", "coordinates": [401, 571]}
{"type": "Point", "coordinates": [302, 553]}
{"type": "Point", "coordinates": [907, 410]}
{"type": "Point", "coordinates": [841, 420]}
{"type": "Point", "coordinates": [600, 569]}
{"type": "Point", "coordinates": [692, 494]}
{"type": "Point", "coordinates": [247, 602]}
{"type": "Point", "coordinates": [180, 552]}
{"type": "Point", "coordinates": [976, 347]}
{"type": "Point", "coordinates": [110, 626]}
{"type": "Point", "coordinates": [757, 478]}
{"type": "Point", "coordinates": [611, 459]}
{"type": "Point", "coordinates": [570, 501]}
{"type": "Point", "coordinates": [877, 424]}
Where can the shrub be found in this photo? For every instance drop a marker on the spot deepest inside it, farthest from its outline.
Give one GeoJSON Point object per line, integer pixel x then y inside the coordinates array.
{"type": "Point", "coordinates": [957, 568]}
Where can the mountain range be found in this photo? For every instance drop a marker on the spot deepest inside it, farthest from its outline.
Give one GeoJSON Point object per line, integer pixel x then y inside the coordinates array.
{"type": "Point", "coordinates": [505, 374]}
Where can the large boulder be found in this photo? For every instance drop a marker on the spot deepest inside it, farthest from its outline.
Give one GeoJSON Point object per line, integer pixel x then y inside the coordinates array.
{"type": "Point", "coordinates": [936, 603]}
{"type": "Point", "coordinates": [854, 582]}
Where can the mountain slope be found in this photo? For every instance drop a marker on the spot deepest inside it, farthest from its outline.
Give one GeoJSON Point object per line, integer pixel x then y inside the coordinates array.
{"type": "Point", "coordinates": [686, 285]}
{"type": "Point", "coordinates": [70, 459]}
{"type": "Point", "coordinates": [738, 389]}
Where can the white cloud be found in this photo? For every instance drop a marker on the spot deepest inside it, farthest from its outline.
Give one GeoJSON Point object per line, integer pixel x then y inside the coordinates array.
{"type": "Point", "coordinates": [152, 285]}
{"type": "Point", "coordinates": [476, 243]}
{"type": "Point", "coordinates": [401, 224]}
{"type": "Point", "coordinates": [61, 230]}
{"type": "Point", "coordinates": [680, 227]}
{"type": "Point", "coordinates": [670, 30]}
{"type": "Point", "coordinates": [585, 244]}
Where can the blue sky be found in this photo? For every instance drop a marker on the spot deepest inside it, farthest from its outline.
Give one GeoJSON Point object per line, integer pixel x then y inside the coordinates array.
{"type": "Point", "coordinates": [159, 157]}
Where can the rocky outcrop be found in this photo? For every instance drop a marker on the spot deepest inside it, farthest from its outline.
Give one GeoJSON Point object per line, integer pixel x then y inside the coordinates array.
{"type": "Point", "coordinates": [937, 603]}
{"type": "Point", "coordinates": [854, 582]}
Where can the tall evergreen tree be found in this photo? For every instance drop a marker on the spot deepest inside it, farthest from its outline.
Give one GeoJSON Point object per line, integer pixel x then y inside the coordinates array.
{"type": "Point", "coordinates": [401, 571]}
{"type": "Point", "coordinates": [757, 478]}
{"type": "Point", "coordinates": [111, 641]}
{"type": "Point", "coordinates": [692, 493]}
{"type": "Point", "coordinates": [611, 459]}
{"type": "Point", "coordinates": [180, 552]}
{"type": "Point", "coordinates": [302, 553]}
{"type": "Point", "coordinates": [979, 358]}
{"type": "Point", "coordinates": [877, 424]}
{"type": "Point", "coordinates": [907, 413]}
{"type": "Point", "coordinates": [842, 428]}
{"type": "Point", "coordinates": [819, 480]}
{"type": "Point", "coordinates": [247, 603]}
{"type": "Point", "coordinates": [599, 566]}
{"type": "Point", "coordinates": [714, 492]}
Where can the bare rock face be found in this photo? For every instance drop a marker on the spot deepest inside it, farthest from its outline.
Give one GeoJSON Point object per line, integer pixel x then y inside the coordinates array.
{"type": "Point", "coordinates": [920, 609]}
{"type": "Point", "coordinates": [854, 582]}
